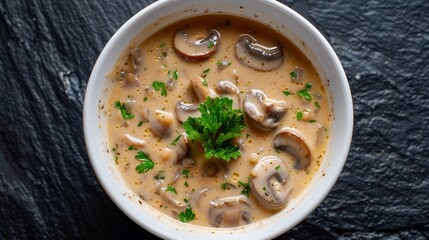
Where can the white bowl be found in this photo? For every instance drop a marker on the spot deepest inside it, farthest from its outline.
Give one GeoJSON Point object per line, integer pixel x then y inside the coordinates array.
{"type": "Point", "coordinates": [283, 19]}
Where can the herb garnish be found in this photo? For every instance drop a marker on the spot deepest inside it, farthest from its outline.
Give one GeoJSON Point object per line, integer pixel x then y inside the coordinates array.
{"type": "Point", "coordinates": [140, 124]}
{"type": "Point", "coordinates": [277, 167]}
{"type": "Point", "coordinates": [211, 43]}
{"type": "Point", "coordinates": [246, 186]}
{"type": "Point", "coordinates": [145, 99]}
{"type": "Point", "coordinates": [187, 216]}
{"type": "Point", "coordinates": [185, 172]}
{"type": "Point", "coordinates": [286, 93]}
{"type": "Point", "coordinates": [175, 75]}
{"type": "Point", "coordinates": [125, 115]}
{"type": "Point", "coordinates": [176, 140]}
{"type": "Point", "coordinates": [305, 93]}
{"type": "Point", "coordinates": [171, 189]}
{"type": "Point", "coordinates": [299, 116]}
{"type": "Point", "coordinates": [146, 163]}
{"type": "Point", "coordinates": [293, 74]}
{"type": "Point", "coordinates": [186, 184]}
{"type": "Point", "coordinates": [218, 124]}
{"type": "Point", "coordinates": [317, 104]}
{"type": "Point", "coordinates": [204, 82]}
{"type": "Point", "coordinates": [204, 74]}
{"type": "Point", "coordinates": [158, 86]}
{"type": "Point", "coordinates": [312, 121]}
{"type": "Point", "coordinates": [224, 186]}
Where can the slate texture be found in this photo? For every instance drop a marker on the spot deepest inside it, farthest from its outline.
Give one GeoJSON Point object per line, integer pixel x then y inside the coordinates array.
{"type": "Point", "coordinates": [48, 189]}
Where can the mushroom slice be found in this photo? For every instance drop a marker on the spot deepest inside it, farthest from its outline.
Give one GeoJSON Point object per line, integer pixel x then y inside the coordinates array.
{"type": "Point", "coordinates": [268, 182]}
{"type": "Point", "coordinates": [200, 90]}
{"type": "Point", "coordinates": [256, 56]}
{"type": "Point", "coordinates": [196, 47]}
{"type": "Point", "coordinates": [291, 140]}
{"type": "Point", "coordinates": [228, 89]}
{"type": "Point", "coordinates": [162, 123]}
{"type": "Point", "coordinates": [168, 196]}
{"type": "Point", "coordinates": [184, 110]}
{"type": "Point", "coordinates": [133, 141]}
{"type": "Point", "coordinates": [265, 112]}
{"type": "Point", "coordinates": [183, 152]}
{"type": "Point", "coordinates": [230, 212]}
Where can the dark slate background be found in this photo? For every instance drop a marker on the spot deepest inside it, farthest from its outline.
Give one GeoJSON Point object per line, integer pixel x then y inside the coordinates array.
{"type": "Point", "coordinates": [47, 186]}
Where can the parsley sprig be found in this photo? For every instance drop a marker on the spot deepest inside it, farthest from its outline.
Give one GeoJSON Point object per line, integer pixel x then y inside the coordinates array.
{"type": "Point", "coordinates": [125, 115]}
{"type": "Point", "coordinates": [218, 124]}
{"type": "Point", "coordinates": [146, 163]}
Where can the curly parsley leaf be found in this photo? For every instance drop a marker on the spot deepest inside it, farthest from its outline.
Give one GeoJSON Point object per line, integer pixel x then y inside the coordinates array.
{"type": "Point", "coordinates": [146, 163]}
{"type": "Point", "coordinates": [160, 86]}
{"type": "Point", "coordinates": [187, 216]}
{"type": "Point", "coordinates": [218, 124]}
{"type": "Point", "coordinates": [125, 115]}
{"type": "Point", "coordinates": [171, 189]}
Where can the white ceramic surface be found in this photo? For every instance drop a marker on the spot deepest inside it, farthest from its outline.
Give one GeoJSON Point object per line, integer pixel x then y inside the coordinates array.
{"type": "Point", "coordinates": [279, 17]}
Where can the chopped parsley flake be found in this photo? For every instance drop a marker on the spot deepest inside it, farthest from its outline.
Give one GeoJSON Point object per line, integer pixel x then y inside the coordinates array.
{"type": "Point", "coordinates": [160, 86]}
{"type": "Point", "coordinates": [317, 104]}
{"type": "Point", "coordinates": [187, 216]}
{"type": "Point", "coordinates": [204, 74]}
{"type": "Point", "coordinates": [224, 186]}
{"type": "Point", "coordinates": [305, 93]}
{"type": "Point", "coordinates": [211, 43]}
{"type": "Point", "coordinates": [140, 124]}
{"type": "Point", "coordinates": [185, 172]}
{"type": "Point", "coordinates": [145, 99]}
{"type": "Point", "coordinates": [246, 187]}
{"type": "Point", "coordinates": [286, 93]}
{"type": "Point", "coordinates": [171, 189]}
{"type": "Point", "coordinates": [312, 121]}
{"type": "Point", "coordinates": [175, 75]}
{"type": "Point", "coordinates": [205, 82]}
{"type": "Point", "coordinates": [186, 184]}
{"type": "Point", "coordinates": [293, 74]}
{"type": "Point", "coordinates": [176, 140]}
{"type": "Point", "coordinates": [125, 115]}
{"type": "Point", "coordinates": [299, 116]}
{"type": "Point", "coordinates": [277, 167]}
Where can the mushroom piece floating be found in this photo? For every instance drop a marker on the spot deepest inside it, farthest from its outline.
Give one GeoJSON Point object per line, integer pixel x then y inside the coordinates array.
{"type": "Point", "coordinates": [230, 212]}
{"type": "Point", "coordinates": [162, 123]}
{"type": "Point", "coordinates": [183, 152]}
{"type": "Point", "coordinates": [196, 47]}
{"type": "Point", "coordinates": [268, 183]}
{"type": "Point", "coordinates": [200, 90]}
{"type": "Point", "coordinates": [133, 141]}
{"type": "Point", "coordinates": [168, 196]}
{"type": "Point", "coordinates": [185, 110]}
{"type": "Point", "coordinates": [265, 112]}
{"type": "Point", "coordinates": [256, 56]}
{"type": "Point", "coordinates": [228, 89]}
{"type": "Point", "coordinates": [291, 140]}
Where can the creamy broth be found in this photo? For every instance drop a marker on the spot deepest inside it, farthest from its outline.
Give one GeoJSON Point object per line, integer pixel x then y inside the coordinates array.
{"type": "Point", "coordinates": [181, 177]}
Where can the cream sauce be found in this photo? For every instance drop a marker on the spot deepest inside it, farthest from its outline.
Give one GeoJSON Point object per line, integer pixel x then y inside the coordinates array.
{"type": "Point", "coordinates": [154, 126]}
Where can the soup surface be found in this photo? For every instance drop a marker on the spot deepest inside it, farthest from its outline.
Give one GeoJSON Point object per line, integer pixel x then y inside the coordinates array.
{"type": "Point", "coordinates": [283, 121]}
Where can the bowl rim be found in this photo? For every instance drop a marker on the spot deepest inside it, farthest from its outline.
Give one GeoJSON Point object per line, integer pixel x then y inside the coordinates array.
{"type": "Point", "coordinates": [93, 85]}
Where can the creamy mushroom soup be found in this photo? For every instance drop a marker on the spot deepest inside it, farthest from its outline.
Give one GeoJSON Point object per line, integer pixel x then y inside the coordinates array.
{"type": "Point", "coordinates": [217, 121]}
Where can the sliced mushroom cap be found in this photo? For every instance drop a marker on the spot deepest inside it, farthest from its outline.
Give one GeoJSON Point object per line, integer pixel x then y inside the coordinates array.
{"type": "Point", "coordinates": [130, 80]}
{"type": "Point", "coordinates": [228, 89]}
{"type": "Point", "coordinates": [230, 212]}
{"type": "Point", "coordinates": [162, 123]}
{"type": "Point", "coordinates": [133, 141]}
{"type": "Point", "coordinates": [196, 47]}
{"type": "Point", "coordinates": [200, 90]}
{"type": "Point", "coordinates": [136, 58]}
{"type": "Point", "coordinates": [291, 140]}
{"type": "Point", "coordinates": [184, 110]}
{"type": "Point", "coordinates": [256, 56]}
{"type": "Point", "coordinates": [265, 112]}
{"type": "Point", "coordinates": [268, 182]}
{"type": "Point", "coordinates": [183, 152]}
